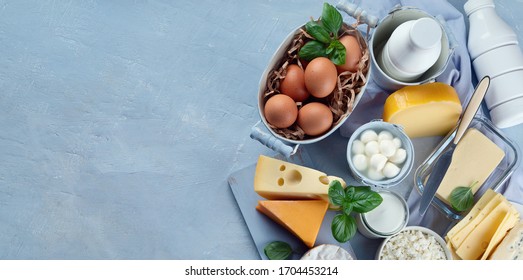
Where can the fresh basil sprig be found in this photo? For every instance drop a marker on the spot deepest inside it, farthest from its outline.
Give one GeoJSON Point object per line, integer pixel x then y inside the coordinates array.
{"type": "Point", "coordinates": [278, 250]}
{"type": "Point", "coordinates": [325, 33]}
{"type": "Point", "coordinates": [360, 199]}
{"type": "Point", "coordinates": [462, 198]}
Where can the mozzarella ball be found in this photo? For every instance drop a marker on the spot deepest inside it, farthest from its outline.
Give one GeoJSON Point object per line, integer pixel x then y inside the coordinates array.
{"type": "Point", "coordinates": [384, 135]}
{"type": "Point", "coordinates": [387, 148]}
{"type": "Point", "coordinates": [375, 174]}
{"type": "Point", "coordinates": [368, 135]}
{"type": "Point", "coordinates": [358, 147]}
{"type": "Point", "coordinates": [391, 170]}
{"type": "Point", "coordinates": [372, 148]}
{"type": "Point", "coordinates": [397, 142]}
{"type": "Point", "coordinates": [399, 156]}
{"type": "Point", "coordinates": [360, 162]}
{"type": "Point", "coordinates": [378, 161]}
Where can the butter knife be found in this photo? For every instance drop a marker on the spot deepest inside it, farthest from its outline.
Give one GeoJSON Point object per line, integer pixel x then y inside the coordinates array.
{"type": "Point", "coordinates": [443, 162]}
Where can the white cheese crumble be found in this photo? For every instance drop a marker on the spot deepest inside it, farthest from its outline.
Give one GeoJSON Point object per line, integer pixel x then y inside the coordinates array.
{"type": "Point", "coordinates": [412, 245]}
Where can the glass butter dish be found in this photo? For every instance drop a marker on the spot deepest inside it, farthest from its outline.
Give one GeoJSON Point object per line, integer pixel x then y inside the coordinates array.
{"type": "Point", "coordinates": [496, 179]}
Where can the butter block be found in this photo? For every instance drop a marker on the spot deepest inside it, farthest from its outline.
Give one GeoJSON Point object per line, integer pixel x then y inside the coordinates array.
{"type": "Point", "coordinates": [474, 159]}
{"type": "Point", "coordinates": [424, 110]}
{"type": "Point", "coordinates": [303, 218]}
{"type": "Point", "coordinates": [277, 179]}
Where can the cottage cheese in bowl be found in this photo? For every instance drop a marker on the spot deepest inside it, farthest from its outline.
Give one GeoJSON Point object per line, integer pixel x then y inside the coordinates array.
{"type": "Point", "coordinates": [414, 243]}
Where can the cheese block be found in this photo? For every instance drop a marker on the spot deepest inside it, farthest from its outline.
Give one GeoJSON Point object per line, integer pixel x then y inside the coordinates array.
{"type": "Point", "coordinates": [278, 179]}
{"type": "Point", "coordinates": [480, 205]}
{"type": "Point", "coordinates": [477, 241]}
{"type": "Point", "coordinates": [424, 110]}
{"type": "Point", "coordinates": [511, 247]}
{"type": "Point", "coordinates": [473, 160]}
{"type": "Point", "coordinates": [301, 217]}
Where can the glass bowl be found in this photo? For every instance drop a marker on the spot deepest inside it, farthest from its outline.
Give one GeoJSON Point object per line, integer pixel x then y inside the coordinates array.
{"type": "Point", "coordinates": [414, 243]}
{"type": "Point", "coordinates": [496, 179]}
{"type": "Point", "coordinates": [406, 143]}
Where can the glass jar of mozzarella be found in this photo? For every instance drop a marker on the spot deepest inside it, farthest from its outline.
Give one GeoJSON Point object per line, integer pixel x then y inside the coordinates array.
{"type": "Point", "coordinates": [380, 154]}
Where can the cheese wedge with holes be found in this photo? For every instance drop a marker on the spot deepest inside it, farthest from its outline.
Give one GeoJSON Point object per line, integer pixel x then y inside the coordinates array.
{"type": "Point", "coordinates": [511, 247]}
{"type": "Point", "coordinates": [278, 179]}
{"type": "Point", "coordinates": [303, 218]}
{"type": "Point", "coordinates": [473, 160]}
{"type": "Point", "coordinates": [424, 110]}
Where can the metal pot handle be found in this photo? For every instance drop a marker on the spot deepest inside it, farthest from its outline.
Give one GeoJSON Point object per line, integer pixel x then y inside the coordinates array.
{"type": "Point", "coordinates": [358, 13]}
{"type": "Point", "coordinates": [272, 142]}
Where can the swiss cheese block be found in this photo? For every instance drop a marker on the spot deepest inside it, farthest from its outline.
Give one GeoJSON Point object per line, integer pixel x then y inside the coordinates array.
{"type": "Point", "coordinates": [511, 247]}
{"type": "Point", "coordinates": [277, 179]}
{"type": "Point", "coordinates": [424, 110]}
{"type": "Point", "coordinates": [301, 217]}
{"type": "Point", "coordinates": [474, 159]}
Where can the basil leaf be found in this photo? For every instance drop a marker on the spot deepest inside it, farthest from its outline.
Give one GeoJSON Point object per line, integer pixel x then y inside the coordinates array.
{"type": "Point", "coordinates": [365, 200]}
{"type": "Point", "coordinates": [349, 193]}
{"type": "Point", "coordinates": [462, 198]}
{"type": "Point", "coordinates": [331, 19]}
{"type": "Point", "coordinates": [336, 193]}
{"type": "Point", "coordinates": [336, 51]}
{"type": "Point", "coordinates": [311, 50]}
{"type": "Point", "coordinates": [278, 250]}
{"type": "Point", "coordinates": [347, 207]}
{"type": "Point", "coordinates": [343, 227]}
{"type": "Point", "coordinates": [361, 188]}
{"type": "Point", "coordinates": [318, 32]}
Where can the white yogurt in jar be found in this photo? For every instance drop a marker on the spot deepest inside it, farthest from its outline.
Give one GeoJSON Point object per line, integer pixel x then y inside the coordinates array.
{"type": "Point", "coordinates": [389, 217]}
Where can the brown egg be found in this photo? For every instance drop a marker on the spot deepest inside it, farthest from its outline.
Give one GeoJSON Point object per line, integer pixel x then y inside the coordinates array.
{"type": "Point", "coordinates": [315, 118]}
{"type": "Point", "coordinates": [293, 84]}
{"type": "Point", "coordinates": [352, 54]}
{"type": "Point", "coordinates": [281, 111]}
{"type": "Point", "coordinates": [320, 77]}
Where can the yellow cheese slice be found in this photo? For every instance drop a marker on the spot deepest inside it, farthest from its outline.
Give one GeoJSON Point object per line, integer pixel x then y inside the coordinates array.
{"type": "Point", "coordinates": [508, 223]}
{"type": "Point", "coordinates": [480, 204]}
{"type": "Point", "coordinates": [511, 247]}
{"type": "Point", "coordinates": [424, 110]}
{"type": "Point", "coordinates": [301, 217]}
{"type": "Point", "coordinates": [457, 238]}
{"type": "Point", "coordinates": [477, 241]}
{"type": "Point", "coordinates": [474, 159]}
{"type": "Point", "coordinates": [277, 179]}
